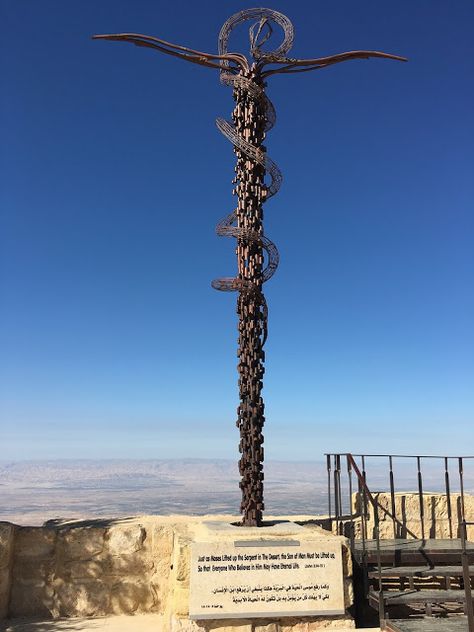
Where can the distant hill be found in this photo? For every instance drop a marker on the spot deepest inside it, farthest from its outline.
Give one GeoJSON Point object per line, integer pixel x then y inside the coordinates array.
{"type": "Point", "coordinates": [32, 492]}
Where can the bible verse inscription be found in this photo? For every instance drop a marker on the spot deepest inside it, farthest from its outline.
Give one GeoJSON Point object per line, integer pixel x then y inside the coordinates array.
{"type": "Point", "coordinates": [261, 579]}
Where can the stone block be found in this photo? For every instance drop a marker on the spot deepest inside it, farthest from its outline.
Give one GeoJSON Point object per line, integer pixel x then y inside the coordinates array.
{"type": "Point", "coordinates": [125, 539]}
{"type": "Point", "coordinates": [7, 534]}
{"type": "Point", "coordinates": [129, 564]}
{"type": "Point", "coordinates": [86, 598]}
{"type": "Point", "coordinates": [347, 560]}
{"type": "Point", "coordinates": [34, 542]}
{"type": "Point", "coordinates": [266, 627]}
{"type": "Point", "coordinates": [89, 569]}
{"type": "Point", "coordinates": [185, 625]}
{"type": "Point", "coordinates": [161, 543]}
{"type": "Point", "coordinates": [180, 601]}
{"type": "Point", "coordinates": [81, 543]}
{"type": "Point", "coordinates": [31, 598]}
{"type": "Point", "coordinates": [348, 593]}
{"type": "Point", "coordinates": [342, 622]}
{"type": "Point", "coordinates": [182, 563]}
{"type": "Point", "coordinates": [128, 597]}
{"type": "Point", "coordinates": [228, 625]}
{"type": "Point", "coordinates": [294, 626]}
{"type": "Point", "coordinates": [161, 591]}
{"type": "Point", "coordinates": [30, 569]}
{"type": "Point", "coordinates": [5, 584]}
{"type": "Point", "coordinates": [6, 543]}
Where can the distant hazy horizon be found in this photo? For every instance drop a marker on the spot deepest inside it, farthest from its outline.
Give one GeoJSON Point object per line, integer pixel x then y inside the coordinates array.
{"type": "Point", "coordinates": [34, 491]}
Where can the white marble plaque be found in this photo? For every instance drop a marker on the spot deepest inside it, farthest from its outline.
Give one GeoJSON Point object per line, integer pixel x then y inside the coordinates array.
{"type": "Point", "coordinates": [266, 578]}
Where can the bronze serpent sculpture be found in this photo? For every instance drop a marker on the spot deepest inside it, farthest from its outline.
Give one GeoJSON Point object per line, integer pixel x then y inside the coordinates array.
{"type": "Point", "coordinates": [253, 116]}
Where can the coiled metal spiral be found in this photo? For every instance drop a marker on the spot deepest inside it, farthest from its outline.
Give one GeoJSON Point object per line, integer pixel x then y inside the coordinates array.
{"type": "Point", "coordinates": [253, 110]}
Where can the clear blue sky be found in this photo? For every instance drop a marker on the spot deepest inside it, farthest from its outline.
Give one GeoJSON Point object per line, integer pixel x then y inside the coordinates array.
{"type": "Point", "coordinates": [114, 176]}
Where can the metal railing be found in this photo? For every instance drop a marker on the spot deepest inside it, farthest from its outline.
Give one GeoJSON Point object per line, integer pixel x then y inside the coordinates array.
{"type": "Point", "coordinates": [340, 496]}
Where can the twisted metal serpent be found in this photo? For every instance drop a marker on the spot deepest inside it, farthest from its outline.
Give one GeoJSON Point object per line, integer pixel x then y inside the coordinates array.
{"type": "Point", "coordinates": [253, 116]}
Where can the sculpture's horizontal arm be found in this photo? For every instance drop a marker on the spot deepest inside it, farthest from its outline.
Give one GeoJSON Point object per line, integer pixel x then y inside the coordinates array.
{"type": "Point", "coordinates": [304, 65]}
{"type": "Point", "coordinates": [188, 54]}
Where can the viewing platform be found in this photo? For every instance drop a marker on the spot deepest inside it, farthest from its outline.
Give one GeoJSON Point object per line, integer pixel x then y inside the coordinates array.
{"type": "Point", "coordinates": [413, 552]}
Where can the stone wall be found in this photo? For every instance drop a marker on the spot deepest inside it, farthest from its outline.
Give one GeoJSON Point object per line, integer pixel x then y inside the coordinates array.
{"type": "Point", "coordinates": [6, 557]}
{"type": "Point", "coordinates": [141, 565]}
{"type": "Point", "coordinates": [90, 569]}
{"type": "Point", "coordinates": [407, 510]}
{"type": "Point", "coordinates": [130, 566]}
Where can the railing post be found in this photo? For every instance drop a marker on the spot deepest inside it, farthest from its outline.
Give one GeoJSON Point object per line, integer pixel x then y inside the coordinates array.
{"type": "Point", "coordinates": [461, 487]}
{"type": "Point", "coordinates": [420, 497]}
{"type": "Point", "coordinates": [379, 565]}
{"type": "Point", "coordinates": [328, 466]}
{"type": "Point", "coordinates": [448, 496]}
{"type": "Point", "coordinates": [363, 534]}
{"type": "Point", "coordinates": [392, 497]}
{"type": "Point", "coordinates": [351, 511]}
{"type": "Point", "coordinates": [337, 491]}
{"type": "Point", "coordinates": [466, 577]}
{"type": "Point", "coordinates": [364, 497]}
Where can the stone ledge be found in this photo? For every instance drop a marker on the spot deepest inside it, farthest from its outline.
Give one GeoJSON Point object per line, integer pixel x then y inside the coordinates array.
{"type": "Point", "coordinates": [128, 566]}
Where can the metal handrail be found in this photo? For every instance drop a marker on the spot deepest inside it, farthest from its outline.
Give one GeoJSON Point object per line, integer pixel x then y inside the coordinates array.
{"type": "Point", "coordinates": [367, 493]}
{"type": "Point", "coordinates": [408, 456]}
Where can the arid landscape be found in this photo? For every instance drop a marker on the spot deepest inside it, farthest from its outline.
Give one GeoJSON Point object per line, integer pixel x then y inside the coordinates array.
{"type": "Point", "coordinates": [32, 492]}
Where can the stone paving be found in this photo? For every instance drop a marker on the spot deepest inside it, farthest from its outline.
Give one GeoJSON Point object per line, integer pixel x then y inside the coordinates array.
{"type": "Point", "coordinates": [137, 623]}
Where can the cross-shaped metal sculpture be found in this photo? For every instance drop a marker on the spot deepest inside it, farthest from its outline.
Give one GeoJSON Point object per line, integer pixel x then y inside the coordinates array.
{"type": "Point", "coordinates": [252, 117]}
